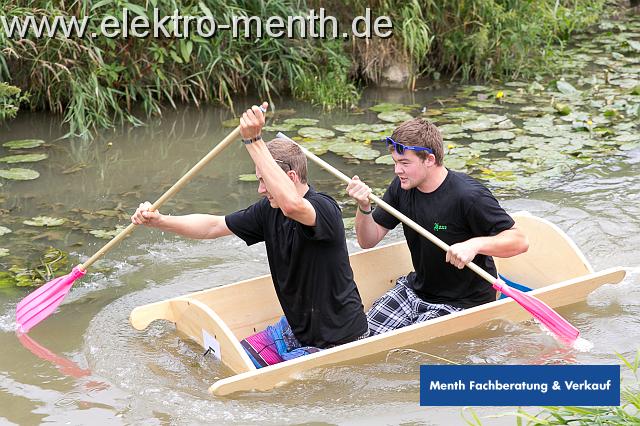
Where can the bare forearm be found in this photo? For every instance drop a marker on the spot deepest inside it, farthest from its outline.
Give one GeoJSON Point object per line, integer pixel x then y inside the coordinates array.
{"type": "Point", "coordinates": [368, 232]}
{"type": "Point", "coordinates": [197, 226]}
{"type": "Point", "coordinates": [506, 244]}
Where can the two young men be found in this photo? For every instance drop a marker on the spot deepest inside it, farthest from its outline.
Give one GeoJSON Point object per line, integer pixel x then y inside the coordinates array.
{"type": "Point", "coordinates": [306, 248]}
{"type": "Point", "coordinates": [304, 236]}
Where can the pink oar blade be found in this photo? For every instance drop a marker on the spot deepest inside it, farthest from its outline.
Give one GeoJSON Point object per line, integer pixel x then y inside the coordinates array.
{"type": "Point", "coordinates": [41, 303]}
{"type": "Point", "coordinates": [541, 311]}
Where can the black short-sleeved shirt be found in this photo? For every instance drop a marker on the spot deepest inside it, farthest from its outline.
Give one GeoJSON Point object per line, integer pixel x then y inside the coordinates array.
{"type": "Point", "coordinates": [310, 269]}
{"type": "Point", "coordinates": [459, 209]}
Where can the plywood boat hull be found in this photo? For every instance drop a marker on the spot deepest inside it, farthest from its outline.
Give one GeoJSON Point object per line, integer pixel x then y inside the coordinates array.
{"type": "Point", "coordinates": [218, 318]}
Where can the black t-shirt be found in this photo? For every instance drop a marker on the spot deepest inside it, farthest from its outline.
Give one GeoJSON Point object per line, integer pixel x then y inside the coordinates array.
{"type": "Point", "coordinates": [459, 209]}
{"type": "Point", "coordinates": [310, 269]}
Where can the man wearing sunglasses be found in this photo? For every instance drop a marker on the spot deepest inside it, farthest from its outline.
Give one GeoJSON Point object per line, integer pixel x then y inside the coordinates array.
{"type": "Point", "coordinates": [306, 248]}
{"type": "Point", "coordinates": [454, 207]}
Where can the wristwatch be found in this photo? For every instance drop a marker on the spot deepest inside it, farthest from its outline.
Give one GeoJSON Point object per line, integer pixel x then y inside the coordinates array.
{"type": "Point", "coordinates": [252, 140]}
{"type": "Point", "coordinates": [365, 211]}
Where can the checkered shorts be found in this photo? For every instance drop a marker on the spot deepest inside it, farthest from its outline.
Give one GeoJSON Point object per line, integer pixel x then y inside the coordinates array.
{"type": "Point", "coordinates": [400, 307]}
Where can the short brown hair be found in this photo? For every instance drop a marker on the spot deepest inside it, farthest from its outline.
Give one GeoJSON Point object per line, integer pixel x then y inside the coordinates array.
{"type": "Point", "coordinates": [421, 132]}
{"type": "Point", "coordinates": [289, 156]}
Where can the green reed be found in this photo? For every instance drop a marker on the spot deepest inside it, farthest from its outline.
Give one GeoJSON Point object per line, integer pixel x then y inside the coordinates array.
{"type": "Point", "coordinates": [98, 83]}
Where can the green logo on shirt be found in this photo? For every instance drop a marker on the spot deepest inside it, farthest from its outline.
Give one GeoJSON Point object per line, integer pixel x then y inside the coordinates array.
{"type": "Point", "coordinates": [438, 227]}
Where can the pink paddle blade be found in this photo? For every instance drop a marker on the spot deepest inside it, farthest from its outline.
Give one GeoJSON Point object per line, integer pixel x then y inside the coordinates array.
{"type": "Point", "coordinates": [541, 311]}
{"type": "Point", "coordinates": [41, 303]}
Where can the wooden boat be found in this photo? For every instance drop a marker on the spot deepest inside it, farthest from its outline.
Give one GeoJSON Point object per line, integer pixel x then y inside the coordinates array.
{"type": "Point", "coordinates": [219, 318]}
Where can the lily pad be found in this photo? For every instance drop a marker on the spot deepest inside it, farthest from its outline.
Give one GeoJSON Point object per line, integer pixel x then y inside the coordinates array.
{"type": "Point", "coordinates": [44, 221]}
{"type": "Point", "coordinates": [247, 177]}
{"type": "Point", "coordinates": [232, 122]}
{"type": "Point", "coordinates": [107, 235]}
{"type": "Point", "coordinates": [315, 132]}
{"type": "Point", "coordinates": [4, 230]}
{"type": "Point", "coordinates": [493, 135]}
{"type": "Point", "coordinates": [363, 152]}
{"type": "Point", "coordinates": [563, 109]}
{"type": "Point", "coordinates": [566, 88]}
{"type": "Point", "coordinates": [23, 144]}
{"type": "Point", "coordinates": [455, 163]}
{"type": "Point", "coordinates": [281, 127]}
{"type": "Point", "coordinates": [394, 116]}
{"type": "Point", "coordinates": [388, 107]}
{"type": "Point", "coordinates": [364, 136]}
{"type": "Point", "coordinates": [23, 158]}
{"type": "Point", "coordinates": [19, 174]}
{"type": "Point", "coordinates": [301, 121]}
{"type": "Point", "coordinates": [385, 159]}
{"type": "Point", "coordinates": [448, 129]}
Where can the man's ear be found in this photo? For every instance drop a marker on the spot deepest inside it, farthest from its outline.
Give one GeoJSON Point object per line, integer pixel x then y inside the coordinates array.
{"type": "Point", "coordinates": [293, 175]}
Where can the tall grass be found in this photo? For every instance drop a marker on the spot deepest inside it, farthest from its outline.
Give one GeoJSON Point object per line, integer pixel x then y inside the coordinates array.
{"type": "Point", "coordinates": [100, 82]}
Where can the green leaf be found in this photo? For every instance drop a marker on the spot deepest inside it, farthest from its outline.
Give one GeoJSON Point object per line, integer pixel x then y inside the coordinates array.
{"type": "Point", "coordinates": [23, 158]}
{"type": "Point", "coordinates": [232, 122]}
{"type": "Point", "coordinates": [566, 88]}
{"type": "Point", "coordinates": [19, 174]}
{"type": "Point", "coordinates": [138, 10]}
{"type": "Point", "coordinates": [186, 47]}
{"type": "Point", "coordinates": [247, 177]}
{"type": "Point", "coordinates": [302, 121]}
{"type": "Point", "coordinates": [44, 221]}
{"type": "Point", "coordinates": [385, 159]}
{"type": "Point", "coordinates": [563, 109]}
{"type": "Point", "coordinates": [25, 143]}
{"type": "Point", "coordinates": [315, 132]}
{"type": "Point", "coordinates": [394, 116]}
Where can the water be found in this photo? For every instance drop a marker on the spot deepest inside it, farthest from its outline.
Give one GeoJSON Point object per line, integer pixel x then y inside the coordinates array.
{"type": "Point", "coordinates": [86, 364]}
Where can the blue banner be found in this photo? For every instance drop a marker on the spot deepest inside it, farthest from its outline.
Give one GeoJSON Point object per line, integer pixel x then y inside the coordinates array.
{"type": "Point", "coordinates": [519, 385]}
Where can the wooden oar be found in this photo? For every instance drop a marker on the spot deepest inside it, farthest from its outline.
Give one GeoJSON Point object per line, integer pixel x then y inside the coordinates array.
{"type": "Point", "coordinates": [41, 303]}
{"type": "Point", "coordinates": [547, 316]}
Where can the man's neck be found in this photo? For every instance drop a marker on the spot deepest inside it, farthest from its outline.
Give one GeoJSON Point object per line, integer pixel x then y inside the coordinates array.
{"type": "Point", "coordinates": [434, 179]}
{"type": "Point", "coordinates": [302, 188]}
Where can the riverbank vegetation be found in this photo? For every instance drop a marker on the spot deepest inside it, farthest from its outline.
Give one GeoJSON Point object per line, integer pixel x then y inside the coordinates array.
{"type": "Point", "coordinates": [627, 413]}
{"type": "Point", "coordinates": [101, 82]}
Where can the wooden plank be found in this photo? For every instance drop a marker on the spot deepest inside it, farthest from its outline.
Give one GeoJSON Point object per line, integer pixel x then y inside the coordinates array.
{"type": "Point", "coordinates": [552, 256]}
{"type": "Point", "coordinates": [556, 295]}
{"type": "Point", "coordinates": [194, 318]}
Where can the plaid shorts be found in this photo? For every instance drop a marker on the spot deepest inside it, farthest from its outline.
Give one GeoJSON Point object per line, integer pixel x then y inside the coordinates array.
{"type": "Point", "coordinates": [400, 307]}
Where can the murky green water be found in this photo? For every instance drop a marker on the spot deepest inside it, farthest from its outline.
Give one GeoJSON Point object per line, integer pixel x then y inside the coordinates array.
{"type": "Point", "coordinates": [86, 363]}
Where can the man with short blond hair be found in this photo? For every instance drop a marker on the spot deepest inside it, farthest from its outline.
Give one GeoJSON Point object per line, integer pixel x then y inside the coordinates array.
{"type": "Point", "coordinates": [454, 207]}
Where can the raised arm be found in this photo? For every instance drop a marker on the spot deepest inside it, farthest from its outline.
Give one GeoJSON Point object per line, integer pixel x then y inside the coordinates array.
{"type": "Point", "coordinates": [279, 184]}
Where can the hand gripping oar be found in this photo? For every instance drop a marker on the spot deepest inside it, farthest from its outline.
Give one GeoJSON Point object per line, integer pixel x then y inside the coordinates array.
{"type": "Point", "coordinates": [41, 303]}
{"type": "Point", "coordinates": [538, 309]}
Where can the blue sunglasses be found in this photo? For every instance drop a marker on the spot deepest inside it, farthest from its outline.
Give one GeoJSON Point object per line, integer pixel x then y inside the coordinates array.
{"type": "Point", "coordinates": [400, 148]}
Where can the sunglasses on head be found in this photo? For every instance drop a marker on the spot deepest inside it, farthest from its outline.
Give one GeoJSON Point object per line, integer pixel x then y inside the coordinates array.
{"type": "Point", "coordinates": [284, 163]}
{"type": "Point", "coordinates": [401, 148]}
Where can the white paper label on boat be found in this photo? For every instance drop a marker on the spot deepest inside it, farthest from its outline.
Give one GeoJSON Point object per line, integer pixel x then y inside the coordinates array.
{"type": "Point", "coordinates": [210, 342]}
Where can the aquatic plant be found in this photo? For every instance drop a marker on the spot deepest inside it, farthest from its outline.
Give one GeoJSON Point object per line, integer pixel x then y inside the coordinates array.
{"type": "Point", "coordinates": [100, 82]}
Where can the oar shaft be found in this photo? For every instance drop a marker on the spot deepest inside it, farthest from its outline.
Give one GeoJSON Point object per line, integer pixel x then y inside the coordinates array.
{"type": "Point", "coordinates": [391, 210]}
{"type": "Point", "coordinates": [168, 194]}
